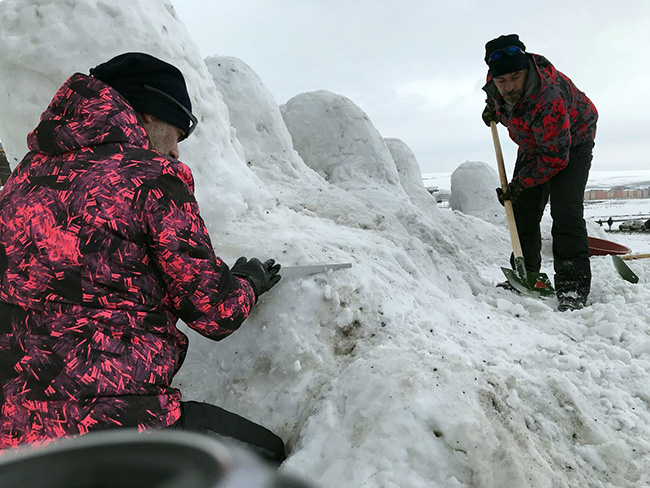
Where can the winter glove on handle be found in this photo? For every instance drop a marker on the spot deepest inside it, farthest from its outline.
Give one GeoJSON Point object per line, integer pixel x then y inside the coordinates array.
{"type": "Point", "coordinates": [512, 192]}
{"type": "Point", "coordinates": [262, 275]}
{"type": "Point", "coordinates": [489, 115]}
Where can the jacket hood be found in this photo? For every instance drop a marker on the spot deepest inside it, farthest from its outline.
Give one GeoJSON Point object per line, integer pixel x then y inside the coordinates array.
{"type": "Point", "coordinates": [86, 112]}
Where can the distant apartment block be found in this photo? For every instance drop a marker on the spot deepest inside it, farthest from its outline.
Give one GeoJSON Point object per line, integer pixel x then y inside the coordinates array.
{"type": "Point", "coordinates": [616, 193]}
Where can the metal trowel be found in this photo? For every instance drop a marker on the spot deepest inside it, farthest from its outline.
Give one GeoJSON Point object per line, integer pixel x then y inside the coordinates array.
{"type": "Point", "coordinates": [289, 272]}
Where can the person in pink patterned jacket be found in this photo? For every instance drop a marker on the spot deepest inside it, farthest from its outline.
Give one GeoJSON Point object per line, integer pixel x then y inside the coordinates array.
{"type": "Point", "coordinates": [554, 125]}
{"type": "Point", "coordinates": [102, 250]}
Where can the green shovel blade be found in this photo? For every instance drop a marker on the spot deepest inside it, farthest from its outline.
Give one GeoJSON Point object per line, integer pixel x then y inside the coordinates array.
{"type": "Point", "coordinates": [625, 272]}
{"type": "Point", "coordinates": [535, 285]}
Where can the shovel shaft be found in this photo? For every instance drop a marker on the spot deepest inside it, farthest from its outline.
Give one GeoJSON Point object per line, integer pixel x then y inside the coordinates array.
{"type": "Point", "coordinates": [497, 149]}
{"type": "Point", "coordinates": [532, 284]}
{"type": "Point", "coordinates": [510, 214]}
{"type": "Point", "coordinates": [628, 257]}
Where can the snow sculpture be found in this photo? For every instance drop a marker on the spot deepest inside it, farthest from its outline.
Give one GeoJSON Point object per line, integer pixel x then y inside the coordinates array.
{"type": "Point", "coordinates": [472, 191]}
{"type": "Point", "coordinates": [259, 126]}
{"type": "Point", "coordinates": [410, 175]}
{"type": "Point", "coordinates": [337, 139]}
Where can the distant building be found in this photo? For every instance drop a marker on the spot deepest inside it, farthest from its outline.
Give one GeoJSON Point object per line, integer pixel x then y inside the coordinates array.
{"type": "Point", "coordinates": [617, 193]}
{"type": "Point", "coordinates": [596, 194]}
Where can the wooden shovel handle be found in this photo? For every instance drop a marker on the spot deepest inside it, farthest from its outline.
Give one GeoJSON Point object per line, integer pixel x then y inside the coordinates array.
{"type": "Point", "coordinates": [510, 215]}
{"type": "Point", "coordinates": [628, 257]}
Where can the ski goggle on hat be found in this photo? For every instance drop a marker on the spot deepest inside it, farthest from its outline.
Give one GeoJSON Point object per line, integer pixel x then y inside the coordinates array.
{"type": "Point", "coordinates": [193, 120]}
{"type": "Point", "coordinates": [506, 51]}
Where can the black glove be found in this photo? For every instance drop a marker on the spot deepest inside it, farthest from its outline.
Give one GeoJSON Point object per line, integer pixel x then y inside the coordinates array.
{"type": "Point", "coordinates": [500, 196]}
{"type": "Point", "coordinates": [489, 115]}
{"type": "Point", "coordinates": [512, 192]}
{"type": "Point", "coordinates": [262, 275]}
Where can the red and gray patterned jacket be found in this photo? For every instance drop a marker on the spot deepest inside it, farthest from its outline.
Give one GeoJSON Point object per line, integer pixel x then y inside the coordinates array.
{"type": "Point", "coordinates": [102, 249]}
{"type": "Point", "coordinates": [545, 124]}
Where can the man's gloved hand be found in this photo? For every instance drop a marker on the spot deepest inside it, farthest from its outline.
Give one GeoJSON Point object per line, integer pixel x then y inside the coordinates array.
{"type": "Point", "coordinates": [512, 192]}
{"type": "Point", "coordinates": [262, 275]}
{"type": "Point", "coordinates": [500, 196]}
{"type": "Point", "coordinates": [489, 115]}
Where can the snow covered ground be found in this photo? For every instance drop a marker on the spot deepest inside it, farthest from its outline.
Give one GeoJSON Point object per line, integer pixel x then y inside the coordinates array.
{"type": "Point", "coordinates": [411, 369]}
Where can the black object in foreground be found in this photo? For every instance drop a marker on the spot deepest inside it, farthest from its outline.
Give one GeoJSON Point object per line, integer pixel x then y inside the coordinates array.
{"type": "Point", "coordinates": [128, 459]}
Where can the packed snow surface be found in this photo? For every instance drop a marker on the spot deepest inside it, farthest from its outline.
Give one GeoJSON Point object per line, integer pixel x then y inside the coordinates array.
{"type": "Point", "coordinates": [411, 369]}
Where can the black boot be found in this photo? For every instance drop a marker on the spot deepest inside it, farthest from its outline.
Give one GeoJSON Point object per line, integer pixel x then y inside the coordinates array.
{"type": "Point", "coordinates": [568, 303]}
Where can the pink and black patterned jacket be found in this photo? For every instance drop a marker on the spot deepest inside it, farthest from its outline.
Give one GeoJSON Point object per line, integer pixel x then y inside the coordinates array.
{"type": "Point", "coordinates": [102, 249]}
{"type": "Point", "coordinates": [547, 123]}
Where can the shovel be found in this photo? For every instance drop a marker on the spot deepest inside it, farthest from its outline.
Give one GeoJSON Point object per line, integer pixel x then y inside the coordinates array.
{"type": "Point", "coordinates": [528, 283]}
{"type": "Point", "coordinates": [623, 269]}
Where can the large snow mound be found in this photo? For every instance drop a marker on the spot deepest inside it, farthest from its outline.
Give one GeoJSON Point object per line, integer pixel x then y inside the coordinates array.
{"type": "Point", "coordinates": [408, 370]}
{"type": "Point", "coordinates": [473, 186]}
{"type": "Point", "coordinates": [410, 175]}
{"type": "Point", "coordinates": [256, 117]}
{"type": "Point", "coordinates": [337, 139]}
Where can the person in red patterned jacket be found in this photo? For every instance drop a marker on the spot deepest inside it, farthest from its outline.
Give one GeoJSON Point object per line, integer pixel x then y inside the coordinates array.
{"type": "Point", "coordinates": [102, 250]}
{"type": "Point", "coordinates": [554, 125]}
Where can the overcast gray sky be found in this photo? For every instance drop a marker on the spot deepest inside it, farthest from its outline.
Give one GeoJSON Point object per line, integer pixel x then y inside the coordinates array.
{"type": "Point", "coordinates": [416, 66]}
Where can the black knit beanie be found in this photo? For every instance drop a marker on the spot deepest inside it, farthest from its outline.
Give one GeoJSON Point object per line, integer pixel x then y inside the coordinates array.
{"type": "Point", "coordinates": [505, 64]}
{"type": "Point", "coordinates": [140, 78]}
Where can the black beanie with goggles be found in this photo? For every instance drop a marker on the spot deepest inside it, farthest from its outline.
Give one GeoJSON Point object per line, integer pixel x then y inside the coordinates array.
{"type": "Point", "coordinates": [505, 54]}
{"type": "Point", "coordinates": [151, 86]}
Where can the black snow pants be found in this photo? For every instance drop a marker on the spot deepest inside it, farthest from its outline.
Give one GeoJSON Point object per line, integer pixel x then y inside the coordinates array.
{"type": "Point", "coordinates": [570, 246]}
{"type": "Point", "coordinates": [210, 419]}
